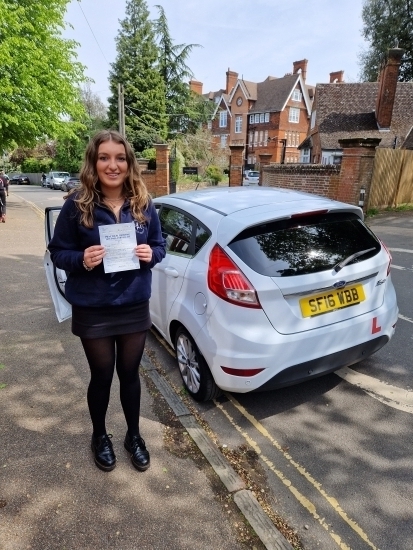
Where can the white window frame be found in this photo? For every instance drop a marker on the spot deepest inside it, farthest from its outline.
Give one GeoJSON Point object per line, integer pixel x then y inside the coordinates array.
{"type": "Point", "coordinates": [238, 124]}
{"type": "Point", "coordinates": [313, 117]}
{"type": "Point", "coordinates": [261, 117]}
{"type": "Point", "coordinates": [267, 117]}
{"type": "Point", "coordinates": [257, 118]}
{"type": "Point", "coordinates": [265, 138]}
{"type": "Point", "coordinates": [223, 119]}
{"type": "Point", "coordinates": [209, 124]}
{"type": "Point", "coordinates": [294, 115]}
{"type": "Point", "coordinates": [223, 141]}
{"type": "Point", "coordinates": [251, 119]}
{"type": "Point", "coordinates": [305, 155]}
{"type": "Point", "coordinates": [296, 95]}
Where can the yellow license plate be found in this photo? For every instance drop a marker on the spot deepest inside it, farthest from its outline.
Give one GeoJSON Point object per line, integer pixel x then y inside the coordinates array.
{"type": "Point", "coordinates": [332, 300]}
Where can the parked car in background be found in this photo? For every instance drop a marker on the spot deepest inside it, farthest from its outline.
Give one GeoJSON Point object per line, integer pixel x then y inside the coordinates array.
{"type": "Point", "coordinates": [70, 182]}
{"type": "Point", "coordinates": [251, 177]}
{"type": "Point", "coordinates": [19, 179]}
{"type": "Point", "coordinates": [54, 179]}
{"type": "Point", "coordinates": [263, 287]}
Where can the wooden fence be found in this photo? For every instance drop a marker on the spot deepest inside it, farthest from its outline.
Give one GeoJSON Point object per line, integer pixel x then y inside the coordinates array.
{"type": "Point", "coordinates": [392, 180]}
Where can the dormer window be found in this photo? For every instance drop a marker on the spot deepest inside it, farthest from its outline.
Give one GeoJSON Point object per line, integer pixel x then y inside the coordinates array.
{"type": "Point", "coordinates": [296, 95]}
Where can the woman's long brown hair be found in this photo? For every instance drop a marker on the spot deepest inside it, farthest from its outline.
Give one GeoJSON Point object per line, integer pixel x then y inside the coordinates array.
{"type": "Point", "coordinates": [89, 191]}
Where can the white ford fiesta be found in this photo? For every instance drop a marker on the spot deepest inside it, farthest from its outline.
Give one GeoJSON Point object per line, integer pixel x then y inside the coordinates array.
{"type": "Point", "coordinates": [264, 287]}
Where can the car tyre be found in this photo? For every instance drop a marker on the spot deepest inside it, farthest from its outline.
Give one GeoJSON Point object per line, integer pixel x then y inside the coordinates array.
{"type": "Point", "coordinates": [195, 373]}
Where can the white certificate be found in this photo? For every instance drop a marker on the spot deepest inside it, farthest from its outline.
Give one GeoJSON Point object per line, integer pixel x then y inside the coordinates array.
{"type": "Point", "coordinates": [119, 240]}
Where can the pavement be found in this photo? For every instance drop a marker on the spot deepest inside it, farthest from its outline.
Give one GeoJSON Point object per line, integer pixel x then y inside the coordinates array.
{"type": "Point", "coordinates": [52, 496]}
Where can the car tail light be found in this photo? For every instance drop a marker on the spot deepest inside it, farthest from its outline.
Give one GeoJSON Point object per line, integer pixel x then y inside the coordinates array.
{"type": "Point", "coordinates": [228, 282]}
{"type": "Point", "coordinates": [241, 372]}
{"type": "Point", "coordinates": [389, 255]}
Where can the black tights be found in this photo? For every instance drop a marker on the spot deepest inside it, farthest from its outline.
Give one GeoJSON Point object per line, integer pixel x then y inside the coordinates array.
{"type": "Point", "coordinates": [102, 354]}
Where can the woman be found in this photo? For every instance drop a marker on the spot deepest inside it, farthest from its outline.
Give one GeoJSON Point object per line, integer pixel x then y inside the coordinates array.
{"type": "Point", "coordinates": [110, 311]}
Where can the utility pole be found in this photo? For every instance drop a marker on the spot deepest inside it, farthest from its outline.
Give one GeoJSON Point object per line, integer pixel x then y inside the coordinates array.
{"type": "Point", "coordinates": [121, 110]}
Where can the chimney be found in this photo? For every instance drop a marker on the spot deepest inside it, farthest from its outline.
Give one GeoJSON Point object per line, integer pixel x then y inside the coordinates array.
{"type": "Point", "coordinates": [337, 76]}
{"type": "Point", "coordinates": [231, 80]}
{"type": "Point", "coordinates": [195, 86]}
{"type": "Point", "coordinates": [387, 88]}
{"type": "Point", "coordinates": [301, 66]}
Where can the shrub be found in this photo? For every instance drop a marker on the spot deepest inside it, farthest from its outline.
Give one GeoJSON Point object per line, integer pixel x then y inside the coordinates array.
{"type": "Point", "coordinates": [214, 174]}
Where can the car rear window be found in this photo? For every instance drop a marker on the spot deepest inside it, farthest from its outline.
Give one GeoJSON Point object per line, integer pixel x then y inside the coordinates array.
{"type": "Point", "coordinates": [309, 244]}
{"type": "Point", "coordinates": [253, 174]}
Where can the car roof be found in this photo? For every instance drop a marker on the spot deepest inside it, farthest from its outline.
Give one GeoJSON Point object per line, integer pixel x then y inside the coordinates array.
{"type": "Point", "coordinates": [231, 200]}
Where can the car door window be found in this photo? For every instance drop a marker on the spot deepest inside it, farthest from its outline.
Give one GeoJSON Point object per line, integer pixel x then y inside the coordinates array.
{"type": "Point", "coordinates": [177, 231]}
{"type": "Point", "coordinates": [201, 237]}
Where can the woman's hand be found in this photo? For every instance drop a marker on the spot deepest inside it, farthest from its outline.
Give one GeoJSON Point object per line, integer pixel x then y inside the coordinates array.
{"type": "Point", "coordinates": [144, 252]}
{"type": "Point", "coordinates": [93, 255]}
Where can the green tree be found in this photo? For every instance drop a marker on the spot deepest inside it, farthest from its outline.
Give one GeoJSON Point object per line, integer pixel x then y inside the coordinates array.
{"type": "Point", "coordinates": [387, 24]}
{"type": "Point", "coordinates": [136, 68]}
{"type": "Point", "coordinates": [95, 110]}
{"type": "Point", "coordinates": [39, 74]}
{"type": "Point", "coordinates": [180, 104]}
{"type": "Point", "coordinates": [69, 153]}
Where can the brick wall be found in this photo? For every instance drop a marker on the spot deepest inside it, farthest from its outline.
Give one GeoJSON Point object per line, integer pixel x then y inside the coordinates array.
{"type": "Point", "coordinates": [157, 181]}
{"type": "Point", "coordinates": [342, 183]}
{"type": "Point", "coordinates": [312, 178]}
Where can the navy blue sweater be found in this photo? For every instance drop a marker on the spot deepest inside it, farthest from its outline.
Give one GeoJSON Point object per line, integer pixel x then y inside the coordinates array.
{"type": "Point", "coordinates": [96, 288]}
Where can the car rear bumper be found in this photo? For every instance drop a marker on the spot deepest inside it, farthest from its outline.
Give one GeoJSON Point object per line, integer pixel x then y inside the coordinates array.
{"type": "Point", "coordinates": [252, 343]}
{"type": "Point", "coordinates": [324, 365]}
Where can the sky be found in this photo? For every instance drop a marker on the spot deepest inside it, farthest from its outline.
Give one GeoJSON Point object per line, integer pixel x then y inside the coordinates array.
{"type": "Point", "coordinates": [255, 38]}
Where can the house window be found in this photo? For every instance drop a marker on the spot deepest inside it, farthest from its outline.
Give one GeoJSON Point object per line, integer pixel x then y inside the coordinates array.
{"type": "Point", "coordinates": [267, 117]}
{"type": "Point", "coordinates": [222, 119]}
{"type": "Point", "coordinates": [255, 137]}
{"type": "Point", "coordinates": [305, 156]}
{"type": "Point", "coordinates": [312, 124]}
{"type": "Point", "coordinates": [261, 136]}
{"type": "Point", "coordinates": [238, 124]}
{"type": "Point", "coordinates": [261, 117]}
{"type": "Point", "coordinates": [257, 118]}
{"type": "Point", "coordinates": [265, 138]}
{"type": "Point", "coordinates": [296, 95]}
{"type": "Point", "coordinates": [209, 124]}
{"type": "Point", "coordinates": [250, 139]}
{"type": "Point", "coordinates": [251, 119]}
{"type": "Point", "coordinates": [223, 141]}
{"type": "Point", "coordinates": [294, 115]}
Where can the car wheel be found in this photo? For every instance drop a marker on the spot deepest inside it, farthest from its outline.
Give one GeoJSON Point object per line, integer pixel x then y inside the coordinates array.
{"type": "Point", "coordinates": [196, 376]}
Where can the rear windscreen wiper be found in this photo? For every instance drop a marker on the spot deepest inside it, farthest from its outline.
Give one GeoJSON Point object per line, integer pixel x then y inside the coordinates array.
{"type": "Point", "coordinates": [341, 264]}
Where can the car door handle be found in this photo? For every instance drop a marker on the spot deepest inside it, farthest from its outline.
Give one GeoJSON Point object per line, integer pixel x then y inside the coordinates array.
{"type": "Point", "coordinates": [171, 272]}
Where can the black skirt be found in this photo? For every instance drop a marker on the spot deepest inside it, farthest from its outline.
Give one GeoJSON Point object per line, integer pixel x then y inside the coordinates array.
{"type": "Point", "coordinates": [99, 322]}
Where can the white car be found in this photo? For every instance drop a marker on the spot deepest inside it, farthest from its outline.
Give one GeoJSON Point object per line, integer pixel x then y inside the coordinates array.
{"type": "Point", "coordinates": [251, 177]}
{"type": "Point", "coordinates": [264, 287]}
{"type": "Point", "coordinates": [55, 180]}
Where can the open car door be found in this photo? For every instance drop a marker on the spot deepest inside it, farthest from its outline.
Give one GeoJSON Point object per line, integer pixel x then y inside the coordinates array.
{"type": "Point", "coordinates": [56, 278]}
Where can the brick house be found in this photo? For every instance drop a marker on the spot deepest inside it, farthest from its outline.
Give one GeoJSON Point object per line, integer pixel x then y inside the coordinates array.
{"type": "Point", "coordinates": [378, 110]}
{"type": "Point", "coordinates": [270, 117]}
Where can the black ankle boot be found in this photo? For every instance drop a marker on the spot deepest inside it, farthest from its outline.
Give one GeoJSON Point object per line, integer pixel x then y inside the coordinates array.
{"type": "Point", "coordinates": [135, 445]}
{"type": "Point", "coordinates": [102, 448]}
